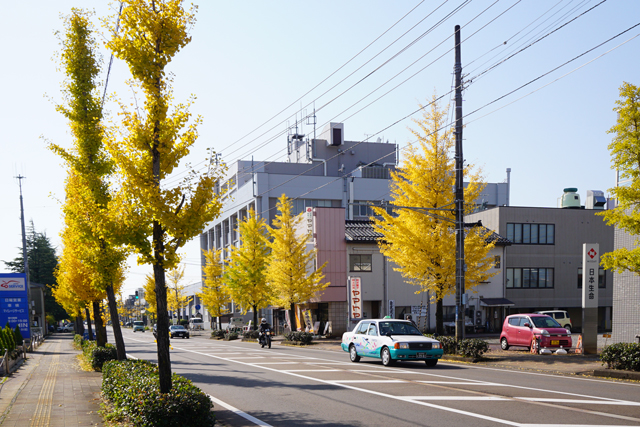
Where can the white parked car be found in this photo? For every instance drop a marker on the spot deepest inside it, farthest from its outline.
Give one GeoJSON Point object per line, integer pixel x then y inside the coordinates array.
{"type": "Point", "coordinates": [68, 328]}
{"type": "Point", "coordinates": [390, 340]}
{"type": "Point", "coordinates": [196, 324]}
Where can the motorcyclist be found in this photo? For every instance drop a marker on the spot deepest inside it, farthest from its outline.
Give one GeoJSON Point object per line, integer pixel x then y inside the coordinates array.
{"type": "Point", "coordinates": [264, 326]}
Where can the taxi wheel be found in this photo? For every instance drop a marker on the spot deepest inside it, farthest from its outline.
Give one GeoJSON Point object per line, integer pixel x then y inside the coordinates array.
{"type": "Point", "coordinates": [504, 344]}
{"type": "Point", "coordinates": [431, 362]}
{"type": "Point", "coordinates": [386, 357]}
{"type": "Point", "coordinates": [353, 355]}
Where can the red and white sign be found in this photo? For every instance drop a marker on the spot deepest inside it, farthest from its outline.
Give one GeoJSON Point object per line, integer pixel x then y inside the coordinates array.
{"type": "Point", "coordinates": [355, 298]}
{"type": "Point", "coordinates": [12, 284]}
{"type": "Point", "coordinates": [590, 267]}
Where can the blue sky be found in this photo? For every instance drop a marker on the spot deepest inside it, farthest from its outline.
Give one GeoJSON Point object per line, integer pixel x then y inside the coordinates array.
{"type": "Point", "coordinates": [250, 60]}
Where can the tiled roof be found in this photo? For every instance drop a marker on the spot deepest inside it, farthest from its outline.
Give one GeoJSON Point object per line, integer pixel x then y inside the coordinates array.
{"type": "Point", "coordinates": [363, 231]}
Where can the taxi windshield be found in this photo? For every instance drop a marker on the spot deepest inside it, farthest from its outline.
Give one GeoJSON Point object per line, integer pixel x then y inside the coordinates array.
{"type": "Point", "coordinates": [398, 328]}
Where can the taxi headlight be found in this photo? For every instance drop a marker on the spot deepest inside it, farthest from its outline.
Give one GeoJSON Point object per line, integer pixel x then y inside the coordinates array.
{"type": "Point", "coordinates": [401, 345]}
{"type": "Point", "coordinates": [435, 345]}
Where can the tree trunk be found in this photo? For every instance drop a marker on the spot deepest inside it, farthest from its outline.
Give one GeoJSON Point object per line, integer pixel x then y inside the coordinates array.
{"type": "Point", "coordinates": [101, 330]}
{"type": "Point", "coordinates": [115, 323]}
{"type": "Point", "coordinates": [79, 327]}
{"type": "Point", "coordinates": [89, 328]}
{"type": "Point", "coordinates": [255, 317]}
{"type": "Point", "coordinates": [439, 317]}
{"type": "Point", "coordinates": [164, 361]}
{"type": "Point", "coordinates": [292, 318]}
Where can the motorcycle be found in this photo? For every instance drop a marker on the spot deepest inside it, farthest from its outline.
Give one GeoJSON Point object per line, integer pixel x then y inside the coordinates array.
{"type": "Point", "coordinates": [265, 338]}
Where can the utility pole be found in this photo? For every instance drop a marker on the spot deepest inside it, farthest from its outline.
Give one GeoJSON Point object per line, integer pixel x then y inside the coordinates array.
{"type": "Point", "coordinates": [25, 258]}
{"type": "Point", "coordinates": [460, 265]}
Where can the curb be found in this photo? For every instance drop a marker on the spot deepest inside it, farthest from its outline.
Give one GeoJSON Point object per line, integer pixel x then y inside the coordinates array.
{"type": "Point", "coordinates": [613, 373]}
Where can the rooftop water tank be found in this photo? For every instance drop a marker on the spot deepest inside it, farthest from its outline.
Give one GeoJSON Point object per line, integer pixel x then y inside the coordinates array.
{"type": "Point", "coordinates": [570, 198]}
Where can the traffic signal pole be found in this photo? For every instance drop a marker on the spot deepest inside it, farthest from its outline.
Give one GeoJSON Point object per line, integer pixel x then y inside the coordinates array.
{"type": "Point", "coordinates": [459, 207]}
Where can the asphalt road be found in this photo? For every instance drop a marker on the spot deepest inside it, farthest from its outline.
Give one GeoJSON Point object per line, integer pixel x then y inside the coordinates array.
{"type": "Point", "coordinates": [289, 386]}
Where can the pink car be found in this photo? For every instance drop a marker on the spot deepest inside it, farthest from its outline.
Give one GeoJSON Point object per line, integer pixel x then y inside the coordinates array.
{"type": "Point", "coordinates": [522, 329]}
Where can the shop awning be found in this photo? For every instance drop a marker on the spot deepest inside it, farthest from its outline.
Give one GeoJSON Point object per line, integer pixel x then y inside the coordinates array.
{"type": "Point", "coordinates": [496, 302]}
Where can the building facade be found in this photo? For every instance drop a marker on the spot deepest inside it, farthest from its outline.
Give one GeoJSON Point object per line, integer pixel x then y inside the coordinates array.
{"type": "Point", "coordinates": [544, 262]}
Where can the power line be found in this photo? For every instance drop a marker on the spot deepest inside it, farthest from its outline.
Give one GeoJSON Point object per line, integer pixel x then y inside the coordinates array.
{"type": "Point", "coordinates": [476, 110]}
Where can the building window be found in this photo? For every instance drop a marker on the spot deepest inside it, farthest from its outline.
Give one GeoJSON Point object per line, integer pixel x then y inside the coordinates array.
{"type": "Point", "coordinates": [360, 262]}
{"type": "Point", "coordinates": [496, 261]}
{"type": "Point", "coordinates": [529, 278]}
{"type": "Point", "coordinates": [531, 234]}
{"type": "Point", "coordinates": [601, 278]}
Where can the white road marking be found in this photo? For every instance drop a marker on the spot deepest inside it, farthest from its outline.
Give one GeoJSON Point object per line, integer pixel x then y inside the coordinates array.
{"type": "Point", "coordinates": [418, 402]}
{"type": "Point", "coordinates": [311, 370]}
{"type": "Point", "coordinates": [456, 398]}
{"type": "Point", "coordinates": [365, 381]}
{"type": "Point", "coordinates": [590, 402]}
{"type": "Point", "coordinates": [239, 412]}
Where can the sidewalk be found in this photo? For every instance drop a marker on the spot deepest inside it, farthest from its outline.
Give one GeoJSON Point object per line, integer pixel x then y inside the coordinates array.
{"type": "Point", "coordinates": [49, 389]}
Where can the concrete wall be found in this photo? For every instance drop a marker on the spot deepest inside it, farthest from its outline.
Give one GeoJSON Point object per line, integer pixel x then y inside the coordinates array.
{"type": "Point", "coordinates": [626, 296]}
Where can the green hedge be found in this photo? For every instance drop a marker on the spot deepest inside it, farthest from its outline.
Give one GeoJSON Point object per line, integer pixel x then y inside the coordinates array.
{"type": "Point", "coordinates": [625, 356]}
{"type": "Point", "coordinates": [301, 337]}
{"type": "Point", "coordinates": [133, 388]}
{"type": "Point", "coordinates": [470, 347]}
{"type": "Point", "coordinates": [219, 333]}
{"type": "Point", "coordinates": [252, 334]}
{"type": "Point", "coordinates": [229, 336]}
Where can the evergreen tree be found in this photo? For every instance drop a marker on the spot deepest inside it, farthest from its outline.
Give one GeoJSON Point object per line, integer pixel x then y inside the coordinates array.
{"type": "Point", "coordinates": [43, 261]}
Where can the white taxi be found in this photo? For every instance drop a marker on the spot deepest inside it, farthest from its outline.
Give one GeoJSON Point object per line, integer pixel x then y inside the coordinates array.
{"type": "Point", "coordinates": [390, 340]}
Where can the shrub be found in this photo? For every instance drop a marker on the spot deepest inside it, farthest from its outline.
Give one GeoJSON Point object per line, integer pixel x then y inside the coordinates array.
{"type": "Point", "coordinates": [217, 333]}
{"type": "Point", "coordinates": [8, 338]}
{"type": "Point", "coordinates": [17, 335]}
{"type": "Point", "coordinates": [625, 356]}
{"type": "Point", "coordinates": [298, 336]}
{"type": "Point", "coordinates": [184, 322]}
{"type": "Point", "coordinates": [101, 355]}
{"type": "Point", "coordinates": [229, 336]}
{"type": "Point", "coordinates": [449, 344]}
{"type": "Point", "coordinates": [78, 342]}
{"type": "Point", "coordinates": [472, 347]}
{"type": "Point", "coordinates": [252, 334]}
{"type": "Point", "coordinates": [133, 387]}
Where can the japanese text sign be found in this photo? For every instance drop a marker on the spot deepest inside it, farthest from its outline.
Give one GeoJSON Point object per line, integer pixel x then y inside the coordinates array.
{"type": "Point", "coordinates": [14, 302]}
{"type": "Point", "coordinates": [355, 298]}
{"type": "Point", "coordinates": [590, 266]}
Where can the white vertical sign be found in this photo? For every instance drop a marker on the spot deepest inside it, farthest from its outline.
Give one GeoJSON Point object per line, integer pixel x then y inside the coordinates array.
{"type": "Point", "coordinates": [355, 298]}
{"type": "Point", "coordinates": [590, 266]}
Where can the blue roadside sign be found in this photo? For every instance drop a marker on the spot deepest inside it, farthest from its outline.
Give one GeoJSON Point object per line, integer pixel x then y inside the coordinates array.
{"type": "Point", "coordinates": [197, 306]}
{"type": "Point", "coordinates": [14, 302]}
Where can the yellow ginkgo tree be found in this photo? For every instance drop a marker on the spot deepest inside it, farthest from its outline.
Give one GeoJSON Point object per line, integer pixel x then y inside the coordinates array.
{"type": "Point", "coordinates": [215, 294]}
{"type": "Point", "coordinates": [87, 203]}
{"type": "Point", "coordinates": [420, 236]}
{"type": "Point", "coordinates": [245, 272]}
{"type": "Point", "coordinates": [147, 142]}
{"type": "Point", "coordinates": [291, 270]}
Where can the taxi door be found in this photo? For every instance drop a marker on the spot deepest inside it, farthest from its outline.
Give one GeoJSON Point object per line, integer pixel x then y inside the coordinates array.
{"type": "Point", "coordinates": [360, 338]}
{"type": "Point", "coordinates": [372, 346]}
